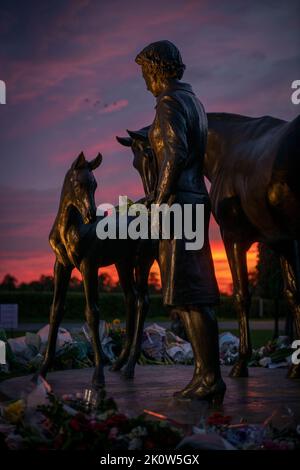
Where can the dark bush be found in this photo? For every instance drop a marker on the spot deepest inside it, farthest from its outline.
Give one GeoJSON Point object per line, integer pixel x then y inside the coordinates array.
{"type": "Point", "coordinates": [34, 306]}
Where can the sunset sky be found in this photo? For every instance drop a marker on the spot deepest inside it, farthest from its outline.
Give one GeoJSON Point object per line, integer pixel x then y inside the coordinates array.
{"type": "Point", "coordinates": [72, 85]}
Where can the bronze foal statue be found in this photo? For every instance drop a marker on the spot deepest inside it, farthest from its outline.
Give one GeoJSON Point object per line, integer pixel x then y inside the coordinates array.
{"type": "Point", "coordinates": [253, 168]}
{"type": "Point", "coordinates": [75, 243]}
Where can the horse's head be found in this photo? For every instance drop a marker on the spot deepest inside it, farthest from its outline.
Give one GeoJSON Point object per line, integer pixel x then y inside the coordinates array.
{"type": "Point", "coordinates": [80, 185]}
{"type": "Point", "coordinates": [143, 158]}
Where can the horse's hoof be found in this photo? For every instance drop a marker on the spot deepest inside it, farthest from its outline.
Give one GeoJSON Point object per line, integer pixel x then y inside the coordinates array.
{"type": "Point", "coordinates": [97, 386]}
{"type": "Point", "coordinates": [128, 372]}
{"type": "Point", "coordinates": [39, 374]}
{"type": "Point", "coordinates": [119, 363]}
{"type": "Point", "coordinates": [98, 380]}
{"type": "Point", "coordinates": [115, 367]}
{"type": "Point", "coordinates": [294, 372]}
{"type": "Point", "coordinates": [35, 378]}
{"type": "Point", "coordinates": [98, 383]}
{"type": "Point", "coordinates": [240, 369]}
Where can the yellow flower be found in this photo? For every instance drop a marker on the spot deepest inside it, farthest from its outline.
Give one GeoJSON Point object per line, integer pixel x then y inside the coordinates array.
{"type": "Point", "coordinates": [14, 412]}
{"type": "Point", "coordinates": [116, 322]}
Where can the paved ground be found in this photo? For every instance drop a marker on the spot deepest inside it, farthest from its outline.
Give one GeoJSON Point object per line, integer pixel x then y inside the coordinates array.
{"type": "Point", "coordinates": [253, 398]}
{"type": "Point", "coordinates": [228, 324]}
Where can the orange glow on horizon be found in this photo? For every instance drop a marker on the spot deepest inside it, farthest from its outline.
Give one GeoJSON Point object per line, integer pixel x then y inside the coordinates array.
{"type": "Point", "coordinates": [222, 270]}
{"type": "Point", "coordinates": [33, 267]}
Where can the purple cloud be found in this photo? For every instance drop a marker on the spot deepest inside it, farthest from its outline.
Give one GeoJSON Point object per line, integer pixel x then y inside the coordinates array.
{"type": "Point", "coordinates": [63, 61]}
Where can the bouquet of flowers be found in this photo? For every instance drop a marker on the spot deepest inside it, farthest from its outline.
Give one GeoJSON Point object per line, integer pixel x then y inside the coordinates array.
{"type": "Point", "coordinates": [279, 432]}
{"type": "Point", "coordinates": [88, 422]}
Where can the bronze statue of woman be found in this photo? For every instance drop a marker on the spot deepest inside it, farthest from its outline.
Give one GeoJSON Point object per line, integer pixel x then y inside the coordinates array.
{"type": "Point", "coordinates": [178, 137]}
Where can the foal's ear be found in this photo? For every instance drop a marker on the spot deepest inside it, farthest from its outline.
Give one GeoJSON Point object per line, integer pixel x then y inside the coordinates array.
{"type": "Point", "coordinates": [93, 164]}
{"type": "Point", "coordinates": [127, 141]}
{"type": "Point", "coordinates": [80, 162]}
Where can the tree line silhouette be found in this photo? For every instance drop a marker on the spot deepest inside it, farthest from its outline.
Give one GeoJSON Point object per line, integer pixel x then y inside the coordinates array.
{"type": "Point", "coordinates": [265, 281]}
{"type": "Point", "coordinates": [45, 284]}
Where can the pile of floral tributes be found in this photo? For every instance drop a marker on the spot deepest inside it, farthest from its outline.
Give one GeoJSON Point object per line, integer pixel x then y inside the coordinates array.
{"type": "Point", "coordinates": [276, 353]}
{"type": "Point", "coordinates": [91, 421]}
{"type": "Point", "coordinates": [83, 422]}
{"type": "Point", "coordinates": [24, 354]}
{"type": "Point", "coordinates": [159, 346]}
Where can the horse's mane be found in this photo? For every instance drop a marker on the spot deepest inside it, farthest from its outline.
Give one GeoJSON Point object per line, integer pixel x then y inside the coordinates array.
{"type": "Point", "coordinates": [231, 117]}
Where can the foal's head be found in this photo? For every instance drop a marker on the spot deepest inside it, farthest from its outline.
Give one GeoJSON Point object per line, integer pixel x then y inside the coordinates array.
{"type": "Point", "coordinates": [80, 185]}
{"type": "Point", "coordinates": [143, 157]}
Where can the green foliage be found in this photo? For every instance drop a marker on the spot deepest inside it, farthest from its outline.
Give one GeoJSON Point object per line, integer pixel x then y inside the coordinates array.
{"type": "Point", "coordinates": [9, 283]}
{"type": "Point", "coordinates": [35, 306]}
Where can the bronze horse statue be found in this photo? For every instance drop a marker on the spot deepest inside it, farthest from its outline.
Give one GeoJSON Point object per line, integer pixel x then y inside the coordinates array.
{"type": "Point", "coordinates": [253, 166]}
{"type": "Point", "coordinates": [75, 243]}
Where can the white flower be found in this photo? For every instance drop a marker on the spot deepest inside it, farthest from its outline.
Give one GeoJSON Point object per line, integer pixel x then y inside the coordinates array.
{"type": "Point", "coordinates": [102, 416]}
{"type": "Point", "coordinates": [14, 441]}
{"type": "Point", "coordinates": [135, 444]}
{"type": "Point", "coordinates": [139, 431]}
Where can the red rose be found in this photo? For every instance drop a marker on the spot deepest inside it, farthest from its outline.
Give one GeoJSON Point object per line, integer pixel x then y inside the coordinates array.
{"type": "Point", "coordinates": [217, 419]}
{"type": "Point", "coordinates": [113, 433]}
{"type": "Point", "coordinates": [116, 420]}
{"type": "Point", "coordinates": [149, 444]}
{"type": "Point", "coordinates": [74, 424]}
{"type": "Point", "coordinates": [79, 422]}
{"type": "Point", "coordinates": [101, 427]}
{"type": "Point", "coordinates": [58, 441]}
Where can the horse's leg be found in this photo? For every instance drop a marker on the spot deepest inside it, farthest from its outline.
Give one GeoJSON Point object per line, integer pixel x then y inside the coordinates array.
{"type": "Point", "coordinates": [62, 276]}
{"type": "Point", "coordinates": [289, 324]}
{"type": "Point", "coordinates": [143, 266]}
{"type": "Point", "coordinates": [276, 319]}
{"type": "Point", "coordinates": [291, 277]}
{"type": "Point", "coordinates": [126, 278]}
{"type": "Point", "coordinates": [236, 254]}
{"type": "Point", "coordinates": [90, 281]}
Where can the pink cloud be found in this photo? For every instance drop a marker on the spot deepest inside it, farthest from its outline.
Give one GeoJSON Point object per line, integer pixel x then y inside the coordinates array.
{"type": "Point", "coordinates": [96, 48]}
{"type": "Point", "coordinates": [82, 56]}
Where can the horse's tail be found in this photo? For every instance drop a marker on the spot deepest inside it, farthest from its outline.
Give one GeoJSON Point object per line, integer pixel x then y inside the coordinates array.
{"type": "Point", "coordinates": [287, 163]}
{"type": "Point", "coordinates": [284, 189]}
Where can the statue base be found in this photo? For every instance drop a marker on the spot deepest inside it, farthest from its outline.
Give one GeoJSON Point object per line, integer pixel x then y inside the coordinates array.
{"type": "Point", "coordinates": [253, 398]}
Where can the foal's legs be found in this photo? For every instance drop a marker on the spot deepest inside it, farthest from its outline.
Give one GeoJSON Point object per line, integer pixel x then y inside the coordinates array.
{"type": "Point", "coordinates": [62, 276]}
{"type": "Point", "coordinates": [236, 254]}
{"type": "Point", "coordinates": [89, 273]}
{"type": "Point", "coordinates": [144, 262]}
{"type": "Point", "coordinates": [126, 278]}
